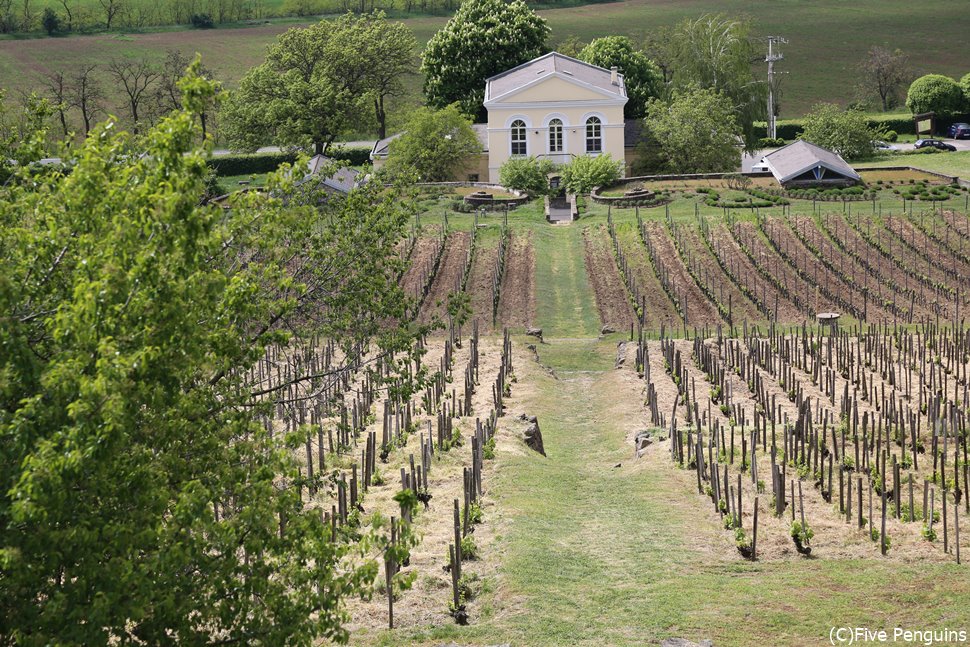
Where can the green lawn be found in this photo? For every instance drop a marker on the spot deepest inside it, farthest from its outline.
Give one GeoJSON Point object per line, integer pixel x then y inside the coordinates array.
{"type": "Point", "coordinates": [957, 163]}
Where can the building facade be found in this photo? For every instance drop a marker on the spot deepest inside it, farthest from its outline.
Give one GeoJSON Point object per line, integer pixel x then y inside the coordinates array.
{"type": "Point", "coordinates": [553, 107]}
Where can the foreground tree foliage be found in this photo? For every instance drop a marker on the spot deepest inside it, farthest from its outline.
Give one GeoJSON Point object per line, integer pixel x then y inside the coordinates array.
{"type": "Point", "coordinates": [585, 173]}
{"type": "Point", "coordinates": [526, 174]}
{"type": "Point", "coordinates": [484, 38]}
{"type": "Point", "coordinates": [696, 131]}
{"type": "Point", "coordinates": [143, 501]}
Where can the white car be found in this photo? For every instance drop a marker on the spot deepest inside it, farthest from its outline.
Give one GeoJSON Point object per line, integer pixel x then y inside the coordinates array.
{"type": "Point", "coordinates": [760, 167]}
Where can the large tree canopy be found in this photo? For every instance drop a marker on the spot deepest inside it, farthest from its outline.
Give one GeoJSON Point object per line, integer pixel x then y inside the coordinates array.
{"type": "Point", "coordinates": [642, 77]}
{"type": "Point", "coordinates": [318, 82]}
{"type": "Point", "coordinates": [716, 52]}
{"type": "Point", "coordinates": [435, 144]}
{"type": "Point", "coordinates": [935, 93]}
{"type": "Point", "coordinates": [696, 131]}
{"type": "Point", "coordinates": [142, 499]}
{"type": "Point", "coordinates": [484, 38]}
{"type": "Point", "coordinates": [847, 132]}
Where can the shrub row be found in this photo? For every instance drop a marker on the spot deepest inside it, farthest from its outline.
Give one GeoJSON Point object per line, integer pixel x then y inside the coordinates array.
{"type": "Point", "coordinates": [350, 155]}
{"type": "Point", "coordinates": [755, 198]}
{"type": "Point", "coordinates": [902, 125]}
{"type": "Point", "coordinates": [249, 164]}
{"type": "Point", "coordinates": [832, 194]}
{"type": "Point", "coordinates": [243, 164]}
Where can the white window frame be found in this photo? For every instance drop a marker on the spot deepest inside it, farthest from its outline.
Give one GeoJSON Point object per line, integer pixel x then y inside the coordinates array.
{"type": "Point", "coordinates": [524, 141]}
{"type": "Point", "coordinates": [598, 138]}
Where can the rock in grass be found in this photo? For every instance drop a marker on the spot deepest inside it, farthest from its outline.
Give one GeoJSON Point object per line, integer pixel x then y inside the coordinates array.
{"type": "Point", "coordinates": [533, 437]}
{"type": "Point", "coordinates": [534, 332]}
{"type": "Point", "coordinates": [607, 329]}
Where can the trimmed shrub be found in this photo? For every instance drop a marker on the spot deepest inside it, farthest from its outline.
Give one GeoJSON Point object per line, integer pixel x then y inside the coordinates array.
{"type": "Point", "coordinates": [249, 164]}
{"type": "Point", "coordinates": [891, 135]}
{"type": "Point", "coordinates": [350, 155]}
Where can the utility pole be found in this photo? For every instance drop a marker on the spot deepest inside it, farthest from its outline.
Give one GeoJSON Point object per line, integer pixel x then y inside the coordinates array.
{"type": "Point", "coordinates": [773, 55]}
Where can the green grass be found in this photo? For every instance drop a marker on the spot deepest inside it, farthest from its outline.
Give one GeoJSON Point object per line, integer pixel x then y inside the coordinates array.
{"type": "Point", "coordinates": [598, 555]}
{"type": "Point", "coordinates": [231, 182]}
{"type": "Point", "coordinates": [565, 305]}
{"type": "Point", "coordinates": [957, 163]}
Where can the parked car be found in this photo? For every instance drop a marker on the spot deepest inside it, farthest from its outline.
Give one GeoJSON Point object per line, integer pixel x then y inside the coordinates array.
{"type": "Point", "coordinates": [882, 146]}
{"type": "Point", "coordinates": [935, 143]}
{"type": "Point", "coordinates": [959, 131]}
{"type": "Point", "coordinates": [760, 167]}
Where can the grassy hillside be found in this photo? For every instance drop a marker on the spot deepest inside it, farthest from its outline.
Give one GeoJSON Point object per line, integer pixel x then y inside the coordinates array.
{"type": "Point", "coordinates": [827, 40]}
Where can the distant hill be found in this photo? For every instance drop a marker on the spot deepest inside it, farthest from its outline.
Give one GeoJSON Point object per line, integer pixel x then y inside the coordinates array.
{"type": "Point", "coordinates": [827, 39]}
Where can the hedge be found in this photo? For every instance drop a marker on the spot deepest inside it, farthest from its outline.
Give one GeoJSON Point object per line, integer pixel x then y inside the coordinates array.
{"type": "Point", "coordinates": [249, 164]}
{"type": "Point", "coordinates": [903, 125]}
{"type": "Point", "coordinates": [350, 155]}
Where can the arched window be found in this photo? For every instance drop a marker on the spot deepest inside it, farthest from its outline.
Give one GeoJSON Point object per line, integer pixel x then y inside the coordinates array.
{"type": "Point", "coordinates": [517, 135]}
{"type": "Point", "coordinates": [555, 136]}
{"type": "Point", "coordinates": [594, 135]}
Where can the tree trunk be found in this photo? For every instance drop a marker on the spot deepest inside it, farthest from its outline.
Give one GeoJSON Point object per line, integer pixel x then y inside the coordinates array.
{"type": "Point", "coordinates": [318, 148]}
{"type": "Point", "coordinates": [381, 117]}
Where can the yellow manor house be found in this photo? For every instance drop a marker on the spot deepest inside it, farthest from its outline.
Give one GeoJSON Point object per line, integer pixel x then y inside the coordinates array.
{"type": "Point", "coordinates": [552, 107]}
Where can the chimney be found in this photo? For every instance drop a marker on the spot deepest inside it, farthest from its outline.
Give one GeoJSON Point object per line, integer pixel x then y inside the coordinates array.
{"type": "Point", "coordinates": [614, 77]}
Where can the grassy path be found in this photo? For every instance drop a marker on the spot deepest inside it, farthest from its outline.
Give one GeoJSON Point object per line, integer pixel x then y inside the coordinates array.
{"type": "Point", "coordinates": [593, 554]}
{"type": "Point", "coordinates": [565, 304]}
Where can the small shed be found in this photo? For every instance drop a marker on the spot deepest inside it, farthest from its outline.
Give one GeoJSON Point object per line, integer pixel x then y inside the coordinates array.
{"type": "Point", "coordinates": [802, 163]}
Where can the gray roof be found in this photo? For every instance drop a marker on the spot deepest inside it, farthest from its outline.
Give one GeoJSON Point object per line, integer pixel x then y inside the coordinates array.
{"type": "Point", "coordinates": [800, 156]}
{"type": "Point", "coordinates": [553, 63]}
{"type": "Point", "coordinates": [382, 147]}
{"type": "Point", "coordinates": [343, 180]}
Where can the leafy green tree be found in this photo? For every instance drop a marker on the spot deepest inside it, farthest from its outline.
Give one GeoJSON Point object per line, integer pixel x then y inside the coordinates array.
{"type": "Point", "coordinates": [50, 21]}
{"type": "Point", "coordinates": [526, 174]}
{"type": "Point", "coordinates": [697, 131]}
{"type": "Point", "coordinates": [571, 46]}
{"type": "Point", "coordinates": [484, 38]}
{"type": "Point", "coordinates": [847, 132]}
{"type": "Point", "coordinates": [935, 93]}
{"type": "Point", "coordinates": [434, 145]}
{"type": "Point", "coordinates": [383, 54]}
{"type": "Point", "coordinates": [965, 86]}
{"type": "Point", "coordinates": [585, 173]}
{"type": "Point", "coordinates": [717, 53]}
{"type": "Point", "coordinates": [643, 79]}
{"type": "Point", "coordinates": [305, 94]}
{"type": "Point", "coordinates": [142, 499]}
